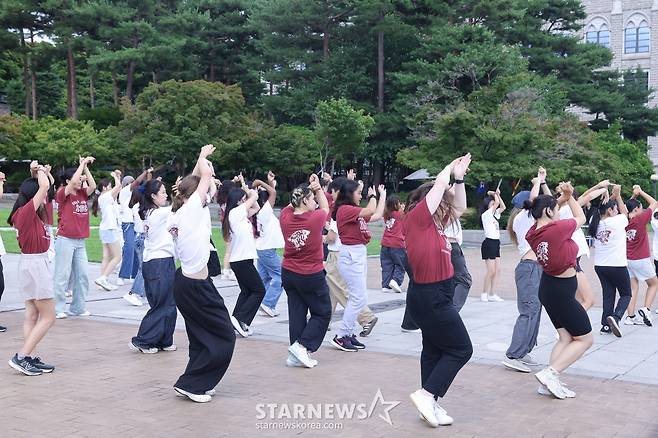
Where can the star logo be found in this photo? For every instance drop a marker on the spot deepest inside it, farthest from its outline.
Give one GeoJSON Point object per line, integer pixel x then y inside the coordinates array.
{"type": "Point", "coordinates": [388, 406]}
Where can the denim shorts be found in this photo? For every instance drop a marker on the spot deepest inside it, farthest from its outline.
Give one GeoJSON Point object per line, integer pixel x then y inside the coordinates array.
{"type": "Point", "coordinates": [109, 236]}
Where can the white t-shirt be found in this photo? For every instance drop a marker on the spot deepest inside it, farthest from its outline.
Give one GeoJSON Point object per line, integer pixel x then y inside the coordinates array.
{"type": "Point", "coordinates": [269, 228]}
{"type": "Point", "coordinates": [109, 212]}
{"type": "Point", "coordinates": [158, 243]}
{"type": "Point", "coordinates": [190, 227]}
{"type": "Point", "coordinates": [454, 231]}
{"type": "Point", "coordinates": [243, 243]}
{"type": "Point", "coordinates": [139, 223]}
{"type": "Point", "coordinates": [2, 247]}
{"type": "Point", "coordinates": [335, 246]}
{"type": "Point", "coordinates": [522, 223]}
{"type": "Point", "coordinates": [578, 236]}
{"type": "Point", "coordinates": [124, 199]}
{"type": "Point", "coordinates": [490, 224]}
{"type": "Point", "coordinates": [610, 242]}
{"type": "Point", "coordinates": [654, 226]}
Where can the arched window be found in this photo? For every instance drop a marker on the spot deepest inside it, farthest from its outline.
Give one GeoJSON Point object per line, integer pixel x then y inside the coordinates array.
{"type": "Point", "coordinates": [636, 35]}
{"type": "Point", "coordinates": [598, 33]}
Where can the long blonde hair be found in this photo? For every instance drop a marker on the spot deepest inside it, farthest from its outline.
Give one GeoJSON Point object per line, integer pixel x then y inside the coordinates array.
{"type": "Point", "coordinates": [445, 214]}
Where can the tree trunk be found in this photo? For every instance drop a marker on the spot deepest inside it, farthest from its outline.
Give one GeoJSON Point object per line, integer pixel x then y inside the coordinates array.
{"type": "Point", "coordinates": [325, 43]}
{"type": "Point", "coordinates": [72, 97]}
{"type": "Point", "coordinates": [213, 72]}
{"type": "Point", "coordinates": [92, 97]}
{"type": "Point", "coordinates": [115, 89]}
{"type": "Point", "coordinates": [33, 75]}
{"type": "Point", "coordinates": [129, 81]}
{"type": "Point", "coordinates": [380, 65]}
{"type": "Point", "coordinates": [154, 77]}
{"type": "Point", "coordinates": [26, 75]}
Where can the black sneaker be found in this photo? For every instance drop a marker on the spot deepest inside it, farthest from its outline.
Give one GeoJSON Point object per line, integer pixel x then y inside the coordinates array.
{"type": "Point", "coordinates": [605, 330]}
{"type": "Point", "coordinates": [614, 326]}
{"type": "Point", "coordinates": [368, 327]}
{"type": "Point", "coordinates": [44, 367]}
{"type": "Point", "coordinates": [24, 366]}
{"type": "Point", "coordinates": [3, 328]}
{"type": "Point", "coordinates": [344, 343]}
{"type": "Point", "coordinates": [356, 342]}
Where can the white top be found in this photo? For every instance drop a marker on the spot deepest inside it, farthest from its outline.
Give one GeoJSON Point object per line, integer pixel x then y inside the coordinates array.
{"type": "Point", "coordinates": [190, 228]}
{"type": "Point", "coordinates": [2, 247]}
{"type": "Point", "coordinates": [335, 246]}
{"type": "Point", "coordinates": [522, 223]}
{"type": "Point", "coordinates": [454, 231]}
{"type": "Point", "coordinates": [158, 243]}
{"type": "Point", "coordinates": [610, 242]}
{"type": "Point", "coordinates": [139, 223]}
{"type": "Point", "coordinates": [269, 228]}
{"type": "Point", "coordinates": [109, 212]}
{"type": "Point", "coordinates": [124, 199]}
{"type": "Point", "coordinates": [654, 226]}
{"type": "Point", "coordinates": [243, 243]}
{"type": "Point", "coordinates": [578, 236]}
{"type": "Point", "coordinates": [490, 224]}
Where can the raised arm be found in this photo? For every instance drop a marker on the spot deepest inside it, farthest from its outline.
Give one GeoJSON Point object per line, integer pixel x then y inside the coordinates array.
{"type": "Point", "coordinates": [251, 202]}
{"type": "Point", "coordinates": [70, 187]}
{"type": "Point", "coordinates": [576, 209]}
{"type": "Point", "coordinates": [435, 195]}
{"type": "Point", "coordinates": [616, 195]}
{"type": "Point", "coordinates": [320, 197]}
{"type": "Point", "coordinates": [459, 190]}
{"type": "Point", "coordinates": [601, 185]}
{"type": "Point", "coordinates": [204, 171]}
{"type": "Point", "coordinates": [140, 179]}
{"type": "Point", "coordinates": [381, 204]}
{"type": "Point", "coordinates": [44, 185]}
{"type": "Point", "coordinates": [91, 183]}
{"type": "Point", "coordinates": [501, 204]}
{"type": "Point", "coordinates": [270, 186]}
{"type": "Point", "coordinates": [637, 191]}
{"type": "Point", "coordinates": [590, 195]}
{"type": "Point", "coordinates": [371, 208]}
{"type": "Point", "coordinates": [117, 183]}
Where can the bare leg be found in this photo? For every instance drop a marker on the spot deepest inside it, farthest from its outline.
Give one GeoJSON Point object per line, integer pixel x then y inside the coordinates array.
{"type": "Point", "coordinates": [635, 289]}
{"type": "Point", "coordinates": [496, 274]}
{"type": "Point", "coordinates": [114, 257]}
{"type": "Point", "coordinates": [570, 352]}
{"type": "Point", "coordinates": [31, 317]}
{"type": "Point", "coordinates": [46, 311]}
{"type": "Point", "coordinates": [488, 277]}
{"type": "Point", "coordinates": [652, 288]}
{"type": "Point", "coordinates": [584, 293]}
{"type": "Point", "coordinates": [106, 258]}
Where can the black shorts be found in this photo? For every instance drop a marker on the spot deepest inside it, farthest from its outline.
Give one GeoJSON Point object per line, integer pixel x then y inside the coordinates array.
{"type": "Point", "coordinates": [578, 268]}
{"type": "Point", "coordinates": [558, 296]}
{"type": "Point", "coordinates": [490, 249]}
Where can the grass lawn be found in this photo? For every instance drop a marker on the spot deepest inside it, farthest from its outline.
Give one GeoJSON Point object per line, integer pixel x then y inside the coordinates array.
{"type": "Point", "coordinates": [95, 249]}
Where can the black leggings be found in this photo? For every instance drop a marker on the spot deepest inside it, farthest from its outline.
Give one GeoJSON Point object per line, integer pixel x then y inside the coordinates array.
{"type": "Point", "coordinates": [446, 344]}
{"type": "Point", "coordinates": [2, 280]}
{"type": "Point", "coordinates": [558, 296]}
{"type": "Point", "coordinates": [613, 279]}
{"type": "Point", "coordinates": [252, 290]}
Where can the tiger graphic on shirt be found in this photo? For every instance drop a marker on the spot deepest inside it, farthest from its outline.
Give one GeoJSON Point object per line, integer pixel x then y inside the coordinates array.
{"type": "Point", "coordinates": [603, 236]}
{"type": "Point", "coordinates": [389, 224]}
{"type": "Point", "coordinates": [630, 235]}
{"type": "Point", "coordinates": [542, 253]}
{"type": "Point", "coordinates": [298, 238]}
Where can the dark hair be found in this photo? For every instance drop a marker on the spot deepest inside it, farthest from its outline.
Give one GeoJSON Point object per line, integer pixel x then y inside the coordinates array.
{"type": "Point", "coordinates": [392, 204]}
{"type": "Point", "coordinates": [67, 174]}
{"type": "Point", "coordinates": [300, 193]}
{"type": "Point", "coordinates": [99, 190]}
{"type": "Point", "coordinates": [484, 206]}
{"type": "Point", "coordinates": [444, 215]}
{"type": "Point", "coordinates": [186, 188]}
{"type": "Point", "coordinates": [345, 195]}
{"type": "Point", "coordinates": [222, 193]}
{"type": "Point", "coordinates": [26, 192]}
{"type": "Point", "coordinates": [232, 200]}
{"type": "Point", "coordinates": [263, 197]}
{"type": "Point", "coordinates": [596, 216]}
{"type": "Point", "coordinates": [136, 196]}
{"type": "Point", "coordinates": [632, 204]}
{"type": "Point", "coordinates": [336, 184]}
{"type": "Point", "coordinates": [539, 205]}
{"type": "Point", "coordinates": [146, 204]}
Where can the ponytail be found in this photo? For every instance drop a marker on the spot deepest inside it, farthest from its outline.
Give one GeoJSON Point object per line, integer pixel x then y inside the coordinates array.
{"type": "Point", "coordinates": [596, 217]}
{"type": "Point", "coordinates": [510, 225]}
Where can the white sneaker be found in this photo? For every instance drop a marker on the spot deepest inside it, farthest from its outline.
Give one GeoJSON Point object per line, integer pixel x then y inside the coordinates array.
{"type": "Point", "coordinates": [633, 320]}
{"type": "Point", "coordinates": [224, 276]}
{"type": "Point", "coordinates": [231, 276]}
{"type": "Point", "coordinates": [404, 330]}
{"type": "Point", "coordinates": [172, 347]}
{"type": "Point", "coordinates": [484, 297]}
{"type": "Point", "coordinates": [549, 378]}
{"type": "Point", "coordinates": [199, 398]}
{"type": "Point", "coordinates": [133, 299]}
{"type": "Point", "coordinates": [567, 392]}
{"type": "Point", "coordinates": [138, 349]}
{"type": "Point", "coordinates": [61, 315]}
{"type": "Point", "coordinates": [120, 281]}
{"type": "Point", "coordinates": [238, 328]}
{"type": "Point", "coordinates": [387, 290]}
{"type": "Point", "coordinates": [495, 298]}
{"type": "Point", "coordinates": [425, 406]}
{"type": "Point", "coordinates": [292, 361]}
{"type": "Point", "coordinates": [395, 286]}
{"type": "Point", "coordinates": [211, 392]}
{"type": "Point", "coordinates": [516, 364]}
{"type": "Point", "coordinates": [301, 353]}
{"type": "Point", "coordinates": [542, 390]}
{"type": "Point", "coordinates": [645, 314]}
{"type": "Point", "coordinates": [441, 415]}
{"type": "Point", "coordinates": [102, 282]}
{"type": "Point", "coordinates": [269, 311]}
{"type": "Point", "coordinates": [68, 293]}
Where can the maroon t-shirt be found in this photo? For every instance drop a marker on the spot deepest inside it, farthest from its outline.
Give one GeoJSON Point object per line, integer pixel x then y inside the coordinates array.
{"type": "Point", "coordinates": [637, 237]}
{"type": "Point", "coordinates": [33, 236]}
{"type": "Point", "coordinates": [552, 244]}
{"type": "Point", "coordinates": [49, 213]}
{"type": "Point", "coordinates": [73, 214]}
{"type": "Point", "coordinates": [352, 229]}
{"type": "Point", "coordinates": [303, 236]}
{"type": "Point", "coordinates": [393, 234]}
{"type": "Point", "coordinates": [428, 250]}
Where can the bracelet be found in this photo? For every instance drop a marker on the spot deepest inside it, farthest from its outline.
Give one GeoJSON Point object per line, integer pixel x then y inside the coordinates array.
{"type": "Point", "coordinates": [542, 184]}
{"type": "Point", "coordinates": [371, 196]}
{"type": "Point", "coordinates": [459, 181]}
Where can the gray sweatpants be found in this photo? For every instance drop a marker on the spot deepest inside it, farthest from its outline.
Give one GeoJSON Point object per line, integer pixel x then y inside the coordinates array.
{"type": "Point", "coordinates": [462, 277]}
{"type": "Point", "coordinates": [524, 338]}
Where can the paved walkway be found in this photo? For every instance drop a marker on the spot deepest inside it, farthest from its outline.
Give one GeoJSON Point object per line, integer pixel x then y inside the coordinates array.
{"type": "Point", "coordinates": [100, 388]}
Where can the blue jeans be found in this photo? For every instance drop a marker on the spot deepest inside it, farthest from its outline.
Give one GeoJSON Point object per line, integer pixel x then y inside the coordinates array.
{"type": "Point", "coordinates": [70, 262]}
{"type": "Point", "coordinates": [269, 269]}
{"type": "Point", "coordinates": [128, 262]}
{"type": "Point", "coordinates": [138, 285]}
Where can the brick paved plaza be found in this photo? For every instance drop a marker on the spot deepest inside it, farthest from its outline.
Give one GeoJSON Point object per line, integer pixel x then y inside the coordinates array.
{"type": "Point", "coordinates": [101, 388]}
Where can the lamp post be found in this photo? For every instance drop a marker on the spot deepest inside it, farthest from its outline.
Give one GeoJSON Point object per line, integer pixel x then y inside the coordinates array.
{"type": "Point", "coordinates": [654, 179]}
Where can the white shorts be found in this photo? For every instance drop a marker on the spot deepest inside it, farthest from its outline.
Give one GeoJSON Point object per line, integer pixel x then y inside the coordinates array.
{"type": "Point", "coordinates": [642, 270]}
{"type": "Point", "coordinates": [35, 277]}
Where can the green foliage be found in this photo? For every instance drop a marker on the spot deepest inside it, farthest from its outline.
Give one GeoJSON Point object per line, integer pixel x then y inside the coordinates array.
{"type": "Point", "coordinates": [101, 117]}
